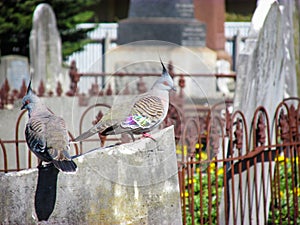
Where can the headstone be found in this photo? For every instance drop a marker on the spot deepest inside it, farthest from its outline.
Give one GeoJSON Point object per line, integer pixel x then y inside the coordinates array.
{"type": "Point", "coordinates": [167, 30]}
{"type": "Point", "coordinates": [290, 59]}
{"type": "Point", "coordinates": [262, 62]}
{"type": "Point", "coordinates": [261, 81]}
{"type": "Point", "coordinates": [164, 20]}
{"type": "Point", "coordinates": [16, 69]}
{"type": "Point", "coordinates": [45, 47]}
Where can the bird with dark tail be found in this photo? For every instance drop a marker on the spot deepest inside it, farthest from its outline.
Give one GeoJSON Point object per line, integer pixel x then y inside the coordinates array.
{"type": "Point", "coordinates": [138, 115]}
{"type": "Point", "coordinates": [46, 134]}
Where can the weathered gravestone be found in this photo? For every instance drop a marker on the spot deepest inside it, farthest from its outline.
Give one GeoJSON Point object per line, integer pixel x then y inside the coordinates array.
{"type": "Point", "coordinates": [164, 20]}
{"type": "Point", "coordinates": [45, 47]}
{"type": "Point", "coordinates": [262, 80]}
{"type": "Point", "coordinates": [16, 69]}
{"type": "Point", "coordinates": [160, 29]}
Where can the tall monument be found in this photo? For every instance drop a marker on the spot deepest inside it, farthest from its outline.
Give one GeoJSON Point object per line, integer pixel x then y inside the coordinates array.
{"type": "Point", "coordinates": [45, 47]}
{"type": "Point", "coordinates": [165, 29]}
{"type": "Point", "coordinates": [163, 20]}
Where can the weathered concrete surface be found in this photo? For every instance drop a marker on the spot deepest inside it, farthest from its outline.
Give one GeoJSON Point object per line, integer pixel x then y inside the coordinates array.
{"type": "Point", "coordinates": [134, 183]}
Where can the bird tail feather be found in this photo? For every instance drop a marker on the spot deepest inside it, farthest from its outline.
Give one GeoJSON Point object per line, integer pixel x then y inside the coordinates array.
{"type": "Point", "coordinates": [65, 165]}
{"type": "Point", "coordinates": [84, 136]}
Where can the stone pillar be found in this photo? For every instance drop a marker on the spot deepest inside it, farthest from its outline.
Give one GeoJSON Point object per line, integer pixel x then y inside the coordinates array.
{"type": "Point", "coordinates": [212, 13]}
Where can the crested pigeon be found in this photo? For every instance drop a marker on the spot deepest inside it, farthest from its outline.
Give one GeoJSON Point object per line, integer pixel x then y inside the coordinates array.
{"type": "Point", "coordinates": [46, 134]}
{"type": "Point", "coordinates": [138, 115]}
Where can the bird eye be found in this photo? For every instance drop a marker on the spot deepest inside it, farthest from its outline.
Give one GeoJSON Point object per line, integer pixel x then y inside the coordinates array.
{"type": "Point", "coordinates": [166, 83]}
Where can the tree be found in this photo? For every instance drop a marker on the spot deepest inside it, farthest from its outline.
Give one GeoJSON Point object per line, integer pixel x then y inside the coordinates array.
{"type": "Point", "coordinates": [16, 24]}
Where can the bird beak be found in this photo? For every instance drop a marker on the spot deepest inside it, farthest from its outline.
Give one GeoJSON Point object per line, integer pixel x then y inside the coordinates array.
{"type": "Point", "coordinates": [23, 107]}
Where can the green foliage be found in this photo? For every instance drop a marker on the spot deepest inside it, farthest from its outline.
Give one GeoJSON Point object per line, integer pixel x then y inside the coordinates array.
{"type": "Point", "coordinates": [233, 17]}
{"type": "Point", "coordinates": [283, 203]}
{"type": "Point", "coordinates": [209, 182]}
{"type": "Point", "coordinates": [16, 24]}
{"type": "Point", "coordinates": [212, 181]}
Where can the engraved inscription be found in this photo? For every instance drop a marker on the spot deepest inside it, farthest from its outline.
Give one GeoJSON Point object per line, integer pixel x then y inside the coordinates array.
{"type": "Point", "coordinates": [185, 10]}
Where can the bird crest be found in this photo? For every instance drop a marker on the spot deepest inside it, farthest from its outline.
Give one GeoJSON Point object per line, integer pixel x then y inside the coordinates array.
{"type": "Point", "coordinates": [29, 88]}
{"type": "Point", "coordinates": [164, 68]}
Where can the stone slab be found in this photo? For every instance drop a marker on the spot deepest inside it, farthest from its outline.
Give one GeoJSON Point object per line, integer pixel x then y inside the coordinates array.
{"type": "Point", "coordinates": [16, 69]}
{"type": "Point", "coordinates": [134, 183]}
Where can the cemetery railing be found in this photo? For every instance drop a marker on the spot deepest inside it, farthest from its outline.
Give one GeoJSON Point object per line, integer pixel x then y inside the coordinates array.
{"type": "Point", "coordinates": [230, 172]}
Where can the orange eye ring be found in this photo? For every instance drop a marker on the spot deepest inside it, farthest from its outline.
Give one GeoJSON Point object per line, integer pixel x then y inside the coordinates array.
{"type": "Point", "coordinates": [166, 83]}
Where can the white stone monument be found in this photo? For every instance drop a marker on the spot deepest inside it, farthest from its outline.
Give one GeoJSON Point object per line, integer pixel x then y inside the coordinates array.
{"type": "Point", "coordinates": [45, 48]}
{"type": "Point", "coordinates": [265, 75]}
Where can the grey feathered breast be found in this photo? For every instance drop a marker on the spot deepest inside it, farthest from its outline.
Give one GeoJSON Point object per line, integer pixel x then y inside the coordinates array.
{"type": "Point", "coordinates": [47, 137]}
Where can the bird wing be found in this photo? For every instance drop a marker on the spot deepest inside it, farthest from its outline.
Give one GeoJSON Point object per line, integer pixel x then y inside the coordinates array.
{"type": "Point", "coordinates": [47, 137]}
{"type": "Point", "coordinates": [36, 141]}
{"type": "Point", "coordinates": [145, 114]}
{"type": "Point", "coordinates": [142, 112]}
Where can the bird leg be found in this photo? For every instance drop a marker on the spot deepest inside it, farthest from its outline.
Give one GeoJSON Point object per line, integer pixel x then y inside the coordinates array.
{"type": "Point", "coordinates": [131, 135]}
{"type": "Point", "coordinates": [43, 165]}
{"type": "Point", "coordinates": [147, 135]}
{"type": "Point", "coordinates": [40, 163]}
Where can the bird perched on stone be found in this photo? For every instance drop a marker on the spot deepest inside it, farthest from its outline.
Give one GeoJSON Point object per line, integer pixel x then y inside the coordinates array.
{"type": "Point", "coordinates": [46, 134]}
{"type": "Point", "coordinates": [138, 115]}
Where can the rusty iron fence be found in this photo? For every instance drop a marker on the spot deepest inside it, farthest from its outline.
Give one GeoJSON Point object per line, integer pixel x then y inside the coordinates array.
{"type": "Point", "coordinates": [237, 173]}
{"type": "Point", "coordinates": [230, 172]}
{"type": "Point", "coordinates": [9, 96]}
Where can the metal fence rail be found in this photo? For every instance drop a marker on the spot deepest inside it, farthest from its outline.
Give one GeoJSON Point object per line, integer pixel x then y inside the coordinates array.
{"type": "Point", "coordinates": [230, 172]}
{"type": "Point", "coordinates": [255, 177]}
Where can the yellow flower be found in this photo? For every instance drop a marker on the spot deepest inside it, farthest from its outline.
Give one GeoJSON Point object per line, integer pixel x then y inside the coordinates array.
{"type": "Point", "coordinates": [199, 146]}
{"type": "Point", "coordinates": [190, 181]}
{"type": "Point", "coordinates": [287, 159]}
{"type": "Point", "coordinates": [203, 156]}
{"type": "Point", "coordinates": [184, 149]}
{"type": "Point", "coordinates": [186, 194]}
{"type": "Point", "coordinates": [179, 150]}
{"type": "Point", "coordinates": [220, 171]}
{"type": "Point", "coordinates": [297, 190]}
{"type": "Point", "coordinates": [280, 158]}
{"type": "Point", "coordinates": [295, 159]}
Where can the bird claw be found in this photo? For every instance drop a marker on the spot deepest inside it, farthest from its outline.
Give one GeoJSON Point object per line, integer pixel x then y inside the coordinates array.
{"type": "Point", "coordinates": [147, 135]}
{"type": "Point", "coordinates": [42, 165]}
